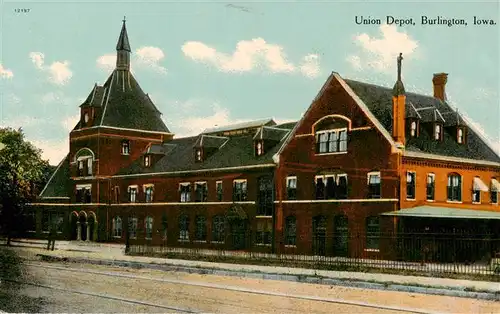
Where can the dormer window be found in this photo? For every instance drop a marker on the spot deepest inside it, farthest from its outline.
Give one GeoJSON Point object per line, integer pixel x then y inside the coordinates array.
{"type": "Point", "coordinates": [198, 155]}
{"type": "Point", "coordinates": [413, 128]}
{"type": "Point", "coordinates": [460, 136]}
{"type": "Point", "coordinates": [438, 132]}
{"type": "Point", "coordinates": [259, 148]}
{"type": "Point", "coordinates": [125, 148]}
{"type": "Point", "coordinates": [147, 161]}
{"type": "Point", "coordinates": [86, 117]}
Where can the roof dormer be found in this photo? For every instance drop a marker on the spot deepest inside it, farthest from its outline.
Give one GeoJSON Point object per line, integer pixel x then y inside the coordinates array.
{"type": "Point", "coordinates": [155, 152]}
{"type": "Point", "coordinates": [266, 138]}
{"type": "Point", "coordinates": [412, 121]}
{"type": "Point", "coordinates": [207, 145]}
{"type": "Point", "coordinates": [456, 126]}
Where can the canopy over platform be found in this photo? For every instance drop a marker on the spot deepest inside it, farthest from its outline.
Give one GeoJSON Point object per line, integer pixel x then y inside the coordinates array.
{"type": "Point", "coordinates": [444, 212]}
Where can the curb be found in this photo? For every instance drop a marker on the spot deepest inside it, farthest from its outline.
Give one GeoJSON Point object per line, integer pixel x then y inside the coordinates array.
{"type": "Point", "coordinates": [448, 291]}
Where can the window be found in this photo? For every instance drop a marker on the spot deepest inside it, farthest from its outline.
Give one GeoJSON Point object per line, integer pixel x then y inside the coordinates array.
{"type": "Point", "coordinates": [460, 136]}
{"type": "Point", "coordinates": [410, 185]}
{"type": "Point", "coordinates": [372, 233]}
{"type": "Point", "coordinates": [147, 161]}
{"type": "Point", "coordinates": [331, 141]}
{"type": "Point", "coordinates": [80, 168]}
{"type": "Point", "coordinates": [218, 233]}
{"type": "Point", "coordinates": [341, 191]}
{"type": "Point", "coordinates": [132, 227]}
{"type": "Point", "coordinates": [437, 132]}
{"type": "Point", "coordinates": [265, 197]}
{"type": "Point", "coordinates": [291, 188]}
{"type": "Point", "coordinates": [320, 187]}
{"type": "Point", "coordinates": [84, 159]}
{"type": "Point", "coordinates": [478, 186]}
{"type": "Point", "coordinates": [200, 190]}
{"type": "Point", "coordinates": [431, 182]}
{"type": "Point", "coordinates": [263, 235]}
{"type": "Point", "coordinates": [86, 117]}
{"type": "Point", "coordinates": [413, 129]}
{"type": "Point", "coordinates": [132, 193]}
{"type": "Point", "coordinates": [218, 187]}
{"type": "Point", "coordinates": [185, 189]}
{"type": "Point", "coordinates": [374, 185]}
{"type": "Point", "coordinates": [116, 191]}
{"type": "Point", "coordinates": [476, 196]}
{"type": "Point", "coordinates": [494, 190]}
{"type": "Point", "coordinates": [198, 156]}
{"type": "Point", "coordinates": [148, 191]}
{"type": "Point", "coordinates": [83, 193]}
{"type": "Point", "coordinates": [201, 228]}
{"type": "Point", "coordinates": [331, 186]}
{"type": "Point", "coordinates": [149, 227]}
{"type": "Point", "coordinates": [125, 148]}
{"type": "Point", "coordinates": [117, 227]}
{"type": "Point", "coordinates": [89, 166]}
{"type": "Point", "coordinates": [183, 228]}
{"type": "Point", "coordinates": [290, 231]}
{"type": "Point", "coordinates": [164, 225]}
{"type": "Point", "coordinates": [454, 187]}
{"type": "Point", "coordinates": [239, 190]}
{"type": "Point", "coordinates": [259, 148]}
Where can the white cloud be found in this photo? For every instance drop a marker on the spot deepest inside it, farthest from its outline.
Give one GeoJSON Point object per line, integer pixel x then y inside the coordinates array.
{"type": "Point", "coordinates": [5, 73]}
{"type": "Point", "coordinates": [380, 53]}
{"type": "Point", "coordinates": [147, 57]}
{"type": "Point", "coordinates": [69, 122]}
{"type": "Point", "coordinates": [52, 150]}
{"type": "Point", "coordinates": [58, 72]}
{"type": "Point", "coordinates": [250, 55]}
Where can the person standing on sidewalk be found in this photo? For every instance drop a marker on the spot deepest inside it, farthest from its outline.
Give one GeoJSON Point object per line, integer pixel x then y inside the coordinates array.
{"type": "Point", "coordinates": [52, 237]}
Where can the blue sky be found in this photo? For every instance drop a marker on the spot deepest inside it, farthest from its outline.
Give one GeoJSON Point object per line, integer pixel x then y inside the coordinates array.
{"type": "Point", "coordinates": [214, 63]}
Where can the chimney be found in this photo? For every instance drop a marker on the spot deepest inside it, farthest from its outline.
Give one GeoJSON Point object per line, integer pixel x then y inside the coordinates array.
{"type": "Point", "coordinates": [439, 81]}
{"type": "Point", "coordinates": [398, 107]}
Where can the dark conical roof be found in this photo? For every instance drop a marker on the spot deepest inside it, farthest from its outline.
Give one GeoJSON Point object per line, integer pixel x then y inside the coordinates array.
{"type": "Point", "coordinates": [123, 43]}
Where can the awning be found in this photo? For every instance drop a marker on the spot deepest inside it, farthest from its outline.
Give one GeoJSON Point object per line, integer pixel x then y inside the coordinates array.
{"type": "Point", "coordinates": [444, 212]}
{"type": "Point", "coordinates": [479, 185]}
{"type": "Point", "coordinates": [495, 185]}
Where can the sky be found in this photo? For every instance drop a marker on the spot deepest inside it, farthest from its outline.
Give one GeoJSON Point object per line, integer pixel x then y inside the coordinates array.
{"type": "Point", "coordinates": [215, 63]}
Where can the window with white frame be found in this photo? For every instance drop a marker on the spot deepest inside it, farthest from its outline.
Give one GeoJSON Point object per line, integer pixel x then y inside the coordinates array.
{"type": "Point", "coordinates": [239, 190]}
{"type": "Point", "coordinates": [331, 186]}
{"type": "Point", "coordinates": [132, 193]}
{"type": "Point", "coordinates": [148, 192]}
{"type": "Point", "coordinates": [132, 227]}
{"type": "Point", "coordinates": [431, 186]}
{"type": "Point", "coordinates": [411, 178]}
{"type": "Point", "coordinates": [147, 161]}
{"type": "Point", "coordinates": [454, 187]}
{"type": "Point", "coordinates": [438, 132]}
{"type": "Point", "coordinates": [117, 227]}
{"type": "Point", "coordinates": [374, 185]}
{"type": "Point", "coordinates": [291, 187]}
{"type": "Point", "coordinates": [83, 193]}
{"type": "Point", "coordinates": [148, 224]}
{"type": "Point", "coordinates": [331, 141]}
{"type": "Point", "coordinates": [413, 128]}
{"type": "Point", "coordinates": [200, 191]}
{"type": "Point", "coordinates": [85, 160]}
{"type": "Point", "coordinates": [460, 136]}
{"type": "Point", "coordinates": [218, 188]}
{"type": "Point", "coordinates": [259, 148]}
{"type": "Point", "coordinates": [125, 147]}
{"type": "Point", "coordinates": [185, 190]}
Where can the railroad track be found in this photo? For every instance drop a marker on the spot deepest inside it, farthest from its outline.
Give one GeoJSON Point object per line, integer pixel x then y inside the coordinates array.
{"type": "Point", "coordinates": [211, 286]}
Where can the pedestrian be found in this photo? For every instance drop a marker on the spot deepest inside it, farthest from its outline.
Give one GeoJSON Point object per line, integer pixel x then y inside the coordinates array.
{"type": "Point", "coordinates": [52, 236]}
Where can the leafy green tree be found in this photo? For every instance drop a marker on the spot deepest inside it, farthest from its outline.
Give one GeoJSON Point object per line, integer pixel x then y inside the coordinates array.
{"type": "Point", "coordinates": [21, 172]}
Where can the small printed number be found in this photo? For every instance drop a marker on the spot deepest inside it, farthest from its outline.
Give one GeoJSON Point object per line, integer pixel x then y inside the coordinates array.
{"type": "Point", "coordinates": [22, 10]}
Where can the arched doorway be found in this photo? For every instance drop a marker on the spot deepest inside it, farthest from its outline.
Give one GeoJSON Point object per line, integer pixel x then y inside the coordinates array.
{"type": "Point", "coordinates": [91, 227]}
{"type": "Point", "coordinates": [83, 226]}
{"type": "Point", "coordinates": [73, 220]}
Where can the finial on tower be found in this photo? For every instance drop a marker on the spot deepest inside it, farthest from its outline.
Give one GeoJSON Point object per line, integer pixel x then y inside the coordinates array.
{"type": "Point", "coordinates": [124, 19]}
{"type": "Point", "coordinates": [399, 88]}
{"type": "Point", "coordinates": [400, 58]}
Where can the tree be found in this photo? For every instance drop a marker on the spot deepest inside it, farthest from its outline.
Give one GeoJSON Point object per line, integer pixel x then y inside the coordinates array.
{"type": "Point", "coordinates": [21, 172]}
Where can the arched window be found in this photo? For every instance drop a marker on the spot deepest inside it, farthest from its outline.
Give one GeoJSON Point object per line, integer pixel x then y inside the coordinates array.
{"type": "Point", "coordinates": [117, 227]}
{"type": "Point", "coordinates": [218, 232]}
{"type": "Point", "coordinates": [149, 227]}
{"type": "Point", "coordinates": [290, 230]}
{"type": "Point", "coordinates": [454, 187]}
{"type": "Point", "coordinates": [132, 227]}
{"type": "Point", "coordinates": [331, 134]}
{"type": "Point", "coordinates": [84, 159]}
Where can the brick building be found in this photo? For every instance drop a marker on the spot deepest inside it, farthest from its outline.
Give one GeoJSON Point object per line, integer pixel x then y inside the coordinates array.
{"type": "Point", "coordinates": [363, 160]}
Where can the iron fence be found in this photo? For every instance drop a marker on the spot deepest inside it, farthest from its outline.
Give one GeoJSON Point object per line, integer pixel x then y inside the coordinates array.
{"type": "Point", "coordinates": [418, 253]}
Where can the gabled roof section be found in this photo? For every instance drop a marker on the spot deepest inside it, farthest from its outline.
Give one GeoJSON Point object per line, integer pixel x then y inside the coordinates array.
{"type": "Point", "coordinates": [240, 126]}
{"type": "Point", "coordinates": [59, 182]}
{"type": "Point", "coordinates": [379, 101]}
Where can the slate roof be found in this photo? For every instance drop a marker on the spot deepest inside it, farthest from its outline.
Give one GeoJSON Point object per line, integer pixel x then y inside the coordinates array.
{"type": "Point", "coordinates": [123, 43]}
{"type": "Point", "coordinates": [270, 133]}
{"type": "Point", "coordinates": [59, 181]}
{"type": "Point", "coordinates": [210, 141]}
{"type": "Point", "coordinates": [242, 125]}
{"type": "Point", "coordinates": [378, 99]}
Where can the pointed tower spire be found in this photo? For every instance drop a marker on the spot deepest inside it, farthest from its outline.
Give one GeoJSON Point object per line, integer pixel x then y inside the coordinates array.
{"type": "Point", "coordinates": [123, 50]}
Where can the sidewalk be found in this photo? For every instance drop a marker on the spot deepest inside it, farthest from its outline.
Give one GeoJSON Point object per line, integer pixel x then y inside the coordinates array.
{"type": "Point", "coordinates": [112, 254]}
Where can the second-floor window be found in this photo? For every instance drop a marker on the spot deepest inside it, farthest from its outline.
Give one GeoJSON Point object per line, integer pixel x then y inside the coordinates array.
{"type": "Point", "coordinates": [125, 147]}
{"type": "Point", "coordinates": [431, 182]}
{"type": "Point", "coordinates": [239, 190]}
{"type": "Point", "coordinates": [83, 194]}
{"type": "Point", "coordinates": [291, 188]}
{"type": "Point", "coordinates": [331, 141]}
{"type": "Point", "coordinates": [185, 189]}
{"type": "Point", "coordinates": [265, 197]}
{"type": "Point", "coordinates": [132, 193]}
{"type": "Point", "coordinates": [454, 187]}
{"type": "Point", "coordinates": [331, 186]}
{"type": "Point", "coordinates": [218, 188]}
{"type": "Point", "coordinates": [477, 186]}
{"type": "Point", "coordinates": [200, 190]}
{"type": "Point", "coordinates": [148, 192]}
{"type": "Point", "coordinates": [374, 185]}
{"type": "Point", "coordinates": [410, 185]}
{"type": "Point", "coordinates": [85, 166]}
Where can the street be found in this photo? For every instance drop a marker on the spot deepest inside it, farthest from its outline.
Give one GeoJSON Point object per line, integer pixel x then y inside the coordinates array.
{"type": "Point", "coordinates": [60, 287]}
